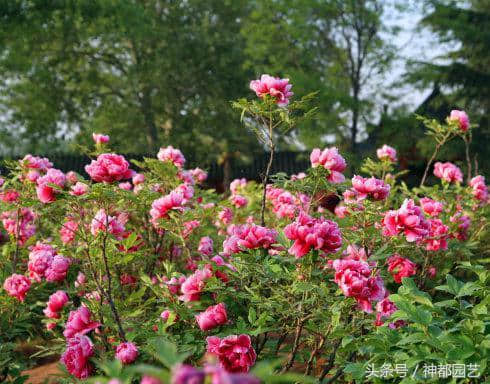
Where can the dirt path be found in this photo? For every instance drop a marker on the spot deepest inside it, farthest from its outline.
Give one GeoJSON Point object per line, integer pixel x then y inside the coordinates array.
{"type": "Point", "coordinates": [41, 375]}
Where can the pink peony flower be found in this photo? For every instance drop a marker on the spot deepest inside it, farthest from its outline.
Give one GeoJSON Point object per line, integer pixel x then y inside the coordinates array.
{"type": "Point", "coordinates": [199, 175]}
{"type": "Point", "coordinates": [108, 168]}
{"type": "Point", "coordinates": [127, 186]}
{"type": "Point", "coordinates": [205, 246]}
{"type": "Point", "coordinates": [279, 89]}
{"type": "Point", "coordinates": [34, 162]}
{"type": "Point", "coordinates": [56, 302]}
{"type": "Point", "coordinates": [33, 175]}
{"type": "Point", "coordinates": [225, 217]}
{"type": "Point", "coordinates": [71, 177]}
{"type": "Point", "coordinates": [58, 269]}
{"type": "Point", "coordinates": [374, 188]}
{"type": "Point", "coordinates": [235, 352]}
{"type": "Point", "coordinates": [187, 374]}
{"type": "Point", "coordinates": [40, 259]}
{"type": "Point", "coordinates": [76, 357]}
{"type": "Point", "coordinates": [284, 203]}
{"type": "Point", "coordinates": [480, 190]}
{"type": "Point", "coordinates": [173, 155]}
{"type": "Point", "coordinates": [193, 285]}
{"type": "Point", "coordinates": [23, 227]}
{"type": "Point", "coordinates": [353, 252]}
{"type": "Point", "coordinates": [461, 118]}
{"type": "Point", "coordinates": [50, 326]}
{"type": "Point", "coordinates": [237, 185]}
{"type": "Point", "coordinates": [432, 272]}
{"type": "Point", "coordinates": [68, 231]}
{"type": "Point", "coordinates": [174, 284]}
{"type": "Point", "coordinates": [355, 279]}
{"type": "Point", "coordinates": [400, 267]}
{"type": "Point", "coordinates": [299, 176]}
{"type": "Point", "coordinates": [331, 160]}
{"type": "Point", "coordinates": [384, 309]}
{"type": "Point", "coordinates": [238, 200]}
{"type": "Point", "coordinates": [212, 317]}
{"type": "Point", "coordinates": [463, 223]}
{"type": "Point", "coordinates": [386, 153]}
{"type": "Point", "coordinates": [219, 376]}
{"type": "Point", "coordinates": [151, 380]}
{"type": "Point", "coordinates": [341, 211]}
{"type": "Point", "coordinates": [45, 192]}
{"type": "Point", "coordinates": [249, 236]}
{"type": "Point", "coordinates": [310, 233]}
{"type": "Point", "coordinates": [126, 352]}
{"type": "Point", "coordinates": [431, 207]}
{"type": "Point", "coordinates": [173, 201]}
{"type": "Point", "coordinates": [79, 189]}
{"type": "Point", "coordinates": [165, 315]}
{"type": "Point", "coordinates": [103, 222]}
{"type": "Point", "coordinates": [9, 196]}
{"type": "Point", "coordinates": [138, 178]}
{"type": "Point", "coordinates": [448, 172]}
{"type": "Point", "coordinates": [81, 280]}
{"type": "Point", "coordinates": [79, 323]}
{"type": "Point", "coordinates": [127, 279]}
{"type": "Point", "coordinates": [438, 235]}
{"type": "Point", "coordinates": [407, 219]}
{"type": "Point", "coordinates": [100, 138]}
{"type": "Point", "coordinates": [17, 286]}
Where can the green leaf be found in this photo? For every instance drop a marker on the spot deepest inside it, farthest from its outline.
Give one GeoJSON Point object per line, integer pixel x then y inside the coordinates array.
{"type": "Point", "coordinates": [252, 315]}
{"type": "Point", "coordinates": [467, 289]}
{"type": "Point", "coordinates": [357, 370]}
{"type": "Point", "coordinates": [166, 352]}
{"type": "Point", "coordinates": [453, 285]}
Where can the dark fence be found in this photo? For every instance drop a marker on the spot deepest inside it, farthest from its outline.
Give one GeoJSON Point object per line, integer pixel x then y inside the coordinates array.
{"type": "Point", "coordinates": [288, 162]}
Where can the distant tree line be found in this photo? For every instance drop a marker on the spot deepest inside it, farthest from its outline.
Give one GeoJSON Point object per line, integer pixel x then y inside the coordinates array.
{"type": "Point", "coordinates": [154, 72]}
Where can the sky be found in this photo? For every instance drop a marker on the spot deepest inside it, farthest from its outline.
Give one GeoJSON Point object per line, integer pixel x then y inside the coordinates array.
{"type": "Point", "coordinates": [413, 43]}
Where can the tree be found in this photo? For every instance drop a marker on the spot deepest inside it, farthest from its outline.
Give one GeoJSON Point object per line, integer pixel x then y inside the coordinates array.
{"type": "Point", "coordinates": [333, 46]}
{"type": "Point", "coordinates": [463, 74]}
{"type": "Point", "coordinates": [150, 71]}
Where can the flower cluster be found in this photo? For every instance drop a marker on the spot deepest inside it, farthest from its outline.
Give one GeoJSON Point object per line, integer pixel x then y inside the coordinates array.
{"type": "Point", "coordinates": [479, 188]}
{"type": "Point", "coordinates": [45, 191]}
{"type": "Point", "coordinates": [313, 233]}
{"type": "Point", "coordinates": [400, 267]}
{"type": "Point", "coordinates": [44, 262]}
{"type": "Point", "coordinates": [212, 317]}
{"type": "Point", "coordinates": [279, 89]}
{"type": "Point", "coordinates": [431, 207]}
{"type": "Point", "coordinates": [285, 204]}
{"type": "Point", "coordinates": [373, 188]}
{"type": "Point", "coordinates": [408, 219]}
{"type": "Point", "coordinates": [248, 236]}
{"type": "Point", "coordinates": [354, 278]}
{"type": "Point", "coordinates": [448, 172]}
{"type": "Point", "coordinates": [20, 224]}
{"type": "Point", "coordinates": [460, 118]}
{"type": "Point", "coordinates": [331, 160]}
{"type": "Point", "coordinates": [235, 353]}
{"type": "Point", "coordinates": [386, 153]}
{"type": "Point", "coordinates": [56, 302]}
{"type": "Point", "coordinates": [108, 168]}
{"type": "Point", "coordinates": [172, 155]}
{"type": "Point", "coordinates": [17, 286]}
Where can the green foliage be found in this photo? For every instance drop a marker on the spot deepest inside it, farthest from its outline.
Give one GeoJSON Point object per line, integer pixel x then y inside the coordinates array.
{"type": "Point", "coordinates": [451, 329]}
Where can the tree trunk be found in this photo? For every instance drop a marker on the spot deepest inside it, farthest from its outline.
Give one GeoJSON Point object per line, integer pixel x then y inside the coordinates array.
{"type": "Point", "coordinates": [227, 171]}
{"type": "Point", "coordinates": [355, 112]}
{"type": "Point", "coordinates": [151, 129]}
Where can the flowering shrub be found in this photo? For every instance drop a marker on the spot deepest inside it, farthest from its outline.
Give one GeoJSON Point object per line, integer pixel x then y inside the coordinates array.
{"type": "Point", "coordinates": [139, 273]}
